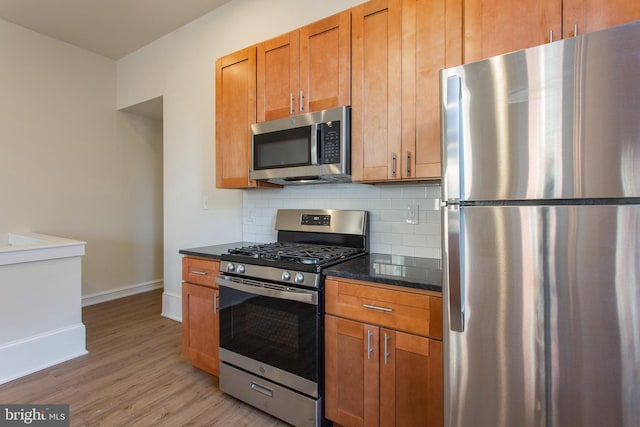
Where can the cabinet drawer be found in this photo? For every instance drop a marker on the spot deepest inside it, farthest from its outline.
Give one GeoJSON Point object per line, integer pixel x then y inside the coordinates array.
{"type": "Point", "coordinates": [401, 310]}
{"type": "Point", "coordinates": [200, 271]}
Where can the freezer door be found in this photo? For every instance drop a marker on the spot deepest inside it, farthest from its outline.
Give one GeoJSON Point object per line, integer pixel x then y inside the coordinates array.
{"type": "Point", "coordinates": [558, 121]}
{"type": "Point", "coordinates": [551, 331]}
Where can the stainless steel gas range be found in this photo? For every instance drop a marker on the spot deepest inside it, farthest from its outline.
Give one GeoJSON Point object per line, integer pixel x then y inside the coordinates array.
{"type": "Point", "coordinates": [271, 311]}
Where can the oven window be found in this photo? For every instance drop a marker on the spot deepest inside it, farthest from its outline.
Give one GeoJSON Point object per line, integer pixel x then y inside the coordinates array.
{"type": "Point", "coordinates": [283, 148]}
{"type": "Point", "coordinates": [278, 332]}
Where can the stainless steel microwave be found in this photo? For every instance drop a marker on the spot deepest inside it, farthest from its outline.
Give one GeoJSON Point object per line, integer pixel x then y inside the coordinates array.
{"type": "Point", "coordinates": [309, 148]}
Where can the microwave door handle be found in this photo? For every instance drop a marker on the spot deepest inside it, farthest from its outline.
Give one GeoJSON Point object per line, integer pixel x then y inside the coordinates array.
{"type": "Point", "coordinates": [315, 153]}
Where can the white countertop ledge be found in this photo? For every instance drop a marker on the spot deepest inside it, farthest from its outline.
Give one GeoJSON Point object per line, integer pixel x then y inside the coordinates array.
{"type": "Point", "coordinates": [30, 247]}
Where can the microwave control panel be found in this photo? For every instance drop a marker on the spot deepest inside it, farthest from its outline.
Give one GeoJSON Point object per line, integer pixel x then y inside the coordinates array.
{"type": "Point", "coordinates": [330, 143]}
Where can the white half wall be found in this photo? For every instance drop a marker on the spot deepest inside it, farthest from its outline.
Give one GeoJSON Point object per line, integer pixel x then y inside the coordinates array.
{"type": "Point", "coordinates": [40, 310]}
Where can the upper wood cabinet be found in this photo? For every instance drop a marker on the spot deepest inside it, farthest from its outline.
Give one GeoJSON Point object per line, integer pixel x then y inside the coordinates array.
{"type": "Point", "coordinates": [431, 40]}
{"type": "Point", "coordinates": [494, 27]}
{"type": "Point", "coordinates": [235, 112]}
{"type": "Point", "coordinates": [305, 70]}
{"type": "Point", "coordinates": [376, 40]}
{"type": "Point", "coordinates": [586, 16]}
{"type": "Point", "coordinates": [398, 49]}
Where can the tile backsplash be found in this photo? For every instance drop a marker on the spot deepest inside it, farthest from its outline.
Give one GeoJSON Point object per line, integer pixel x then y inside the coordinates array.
{"type": "Point", "coordinates": [395, 228]}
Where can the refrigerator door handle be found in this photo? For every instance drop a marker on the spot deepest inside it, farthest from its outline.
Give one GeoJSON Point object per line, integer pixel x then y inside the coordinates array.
{"type": "Point", "coordinates": [454, 137]}
{"type": "Point", "coordinates": [456, 294]}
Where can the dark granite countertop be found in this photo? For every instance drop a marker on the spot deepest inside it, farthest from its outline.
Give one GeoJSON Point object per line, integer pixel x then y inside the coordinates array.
{"type": "Point", "coordinates": [214, 251]}
{"type": "Point", "coordinates": [412, 272]}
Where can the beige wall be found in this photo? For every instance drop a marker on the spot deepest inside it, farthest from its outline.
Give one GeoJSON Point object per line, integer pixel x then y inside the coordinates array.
{"type": "Point", "coordinates": [73, 166]}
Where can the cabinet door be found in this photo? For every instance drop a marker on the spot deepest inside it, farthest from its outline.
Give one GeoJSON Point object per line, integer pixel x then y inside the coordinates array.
{"type": "Point", "coordinates": [200, 328]}
{"type": "Point", "coordinates": [325, 64]}
{"type": "Point", "coordinates": [278, 76]}
{"type": "Point", "coordinates": [235, 112]}
{"type": "Point", "coordinates": [376, 90]}
{"type": "Point", "coordinates": [351, 372]}
{"type": "Point", "coordinates": [410, 380]}
{"type": "Point", "coordinates": [493, 27]}
{"type": "Point", "coordinates": [585, 16]}
{"type": "Point", "coordinates": [431, 40]}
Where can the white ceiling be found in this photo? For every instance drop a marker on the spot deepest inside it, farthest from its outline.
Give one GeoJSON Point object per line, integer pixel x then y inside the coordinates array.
{"type": "Point", "coordinates": [112, 28]}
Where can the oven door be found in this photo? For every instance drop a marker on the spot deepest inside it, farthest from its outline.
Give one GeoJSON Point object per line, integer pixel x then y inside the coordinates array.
{"type": "Point", "coordinates": [271, 330]}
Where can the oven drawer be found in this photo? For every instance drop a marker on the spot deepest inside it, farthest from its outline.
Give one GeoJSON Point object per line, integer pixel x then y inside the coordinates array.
{"type": "Point", "coordinates": [200, 271]}
{"type": "Point", "coordinates": [399, 309]}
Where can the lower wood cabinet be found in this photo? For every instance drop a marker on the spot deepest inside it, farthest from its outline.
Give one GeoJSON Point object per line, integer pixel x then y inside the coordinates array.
{"type": "Point", "coordinates": [375, 375]}
{"type": "Point", "coordinates": [200, 318]}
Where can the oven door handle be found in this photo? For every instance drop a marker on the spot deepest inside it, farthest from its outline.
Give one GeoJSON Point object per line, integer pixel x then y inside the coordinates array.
{"type": "Point", "coordinates": [300, 295]}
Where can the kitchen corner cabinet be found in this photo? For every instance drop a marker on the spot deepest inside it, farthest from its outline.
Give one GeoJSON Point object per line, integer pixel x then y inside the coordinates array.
{"type": "Point", "coordinates": [398, 49]}
{"type": "Point", "coordinates": [493, 27]}
{"type": "Point", "coordinates": [383, 355]}
{"type": "Point", "coordinates": [308, 69]}
{"type": "Point", "coordinates": [200, 318]}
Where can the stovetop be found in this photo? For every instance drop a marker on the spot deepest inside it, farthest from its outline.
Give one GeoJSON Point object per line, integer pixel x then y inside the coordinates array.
{"type": "Point", "coordinates": [299, 253]}
{"type": "Point", "coordinates": [308, 240]}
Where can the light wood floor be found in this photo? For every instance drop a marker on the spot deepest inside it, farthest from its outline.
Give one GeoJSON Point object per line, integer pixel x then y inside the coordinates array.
{"type": "Point", "coordinates": [134, 375]}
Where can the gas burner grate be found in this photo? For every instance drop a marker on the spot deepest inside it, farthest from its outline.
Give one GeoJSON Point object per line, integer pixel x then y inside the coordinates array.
{"type": "Point", "coordinates": [303, 253]}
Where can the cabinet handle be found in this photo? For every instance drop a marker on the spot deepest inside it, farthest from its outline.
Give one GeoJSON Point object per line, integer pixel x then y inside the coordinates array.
{"type": "Point", "coordinates": [407, 159]}
{"type": "Point", "coordinates": [369, 347]}
{"type": "Point", "coordinates": [575, 30]}
{"type": "Point", "coordinates": [386, 349]}
{"type": "Point", "coordinates": [291, 103]}
{"type": "Point", "coordinates": [199, 273]}
{"type": "Point", "coordinates": [393, 164]}
{"type": "Point", "coordinates": [375, 307]}
{"type": "Point", "coordinates": [215, 303]}
{"type": "Point", "coordinates": [248, 177]}
{"type": "Point", "coordinates": [301, 98]}
{"type": "Point", "coordinates": [551, 36]}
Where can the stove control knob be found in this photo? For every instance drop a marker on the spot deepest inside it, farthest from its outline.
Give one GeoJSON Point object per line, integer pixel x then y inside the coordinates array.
{"type": "Point", "coordinates": [299, 278]}
{"type": "Point", "coordinates": [231, 267]}
{"type": "Point", "coordinates": [241, 268]}
{"type": "Point", "coordinates": [286, 275]}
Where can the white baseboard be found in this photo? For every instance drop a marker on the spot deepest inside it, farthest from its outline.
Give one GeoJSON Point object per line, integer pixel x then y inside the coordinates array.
{"type": "Point", "coordinates": [172, 306]}
{"type": "Point", "coordinates": [121, 292]}
{"type": "Point", "coordinates": [28, 355]}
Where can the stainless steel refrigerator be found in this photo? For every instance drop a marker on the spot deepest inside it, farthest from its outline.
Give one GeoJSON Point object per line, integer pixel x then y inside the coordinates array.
{"type": "Point", "coordinates": [541, 235]}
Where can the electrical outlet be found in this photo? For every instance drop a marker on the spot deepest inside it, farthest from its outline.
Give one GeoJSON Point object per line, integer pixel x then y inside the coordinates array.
{"type": "Point", "coordinates": [205, 202]}
{"type": "Point", "coordinates": [412, 214]}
